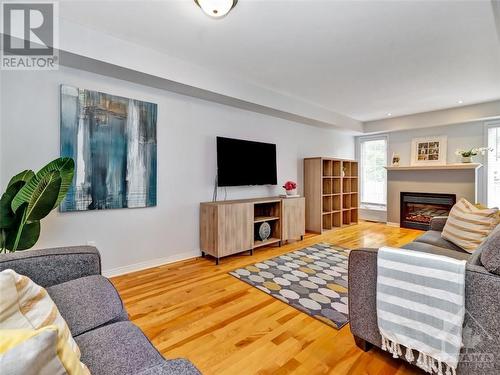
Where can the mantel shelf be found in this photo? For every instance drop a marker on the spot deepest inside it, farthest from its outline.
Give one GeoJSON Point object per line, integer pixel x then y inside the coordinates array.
{"type": "Point", "coordinates": [459, 166]}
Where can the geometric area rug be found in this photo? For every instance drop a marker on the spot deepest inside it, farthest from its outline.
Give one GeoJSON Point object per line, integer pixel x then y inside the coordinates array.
{"type": "Point", "coordinates": [313, 280]}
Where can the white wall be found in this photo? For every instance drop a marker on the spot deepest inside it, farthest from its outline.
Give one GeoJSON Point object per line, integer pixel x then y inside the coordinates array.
{"type": "Point", "coordinates": [187, 128]}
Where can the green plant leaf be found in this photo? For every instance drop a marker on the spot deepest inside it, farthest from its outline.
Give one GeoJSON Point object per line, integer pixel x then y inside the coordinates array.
{"type": "Point", "coordinates": [3, 234]}
{"type": "Point", "coordinates": [7, 216]}
{"type": "Point", "coordinates": [66, 168]}
{"type": "Point", "coordinates": [24, 176]}
{"type": "Point", "coordinates": [43, 198]}
{"type": "Point", "coordinates": [29, 235]}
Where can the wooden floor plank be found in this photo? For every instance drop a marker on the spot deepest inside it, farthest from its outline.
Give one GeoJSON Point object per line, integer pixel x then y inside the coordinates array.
{"type": "Point", "coordinates": [195, 309]}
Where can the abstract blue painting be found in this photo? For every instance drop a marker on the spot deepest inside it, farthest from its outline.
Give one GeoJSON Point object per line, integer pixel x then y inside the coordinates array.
{"type": "Point", "coordinates": [113, 142]}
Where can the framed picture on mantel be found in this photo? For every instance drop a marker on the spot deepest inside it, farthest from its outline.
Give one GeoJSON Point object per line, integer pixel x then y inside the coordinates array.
{"type": "Point", "coordinates": [429, 151]}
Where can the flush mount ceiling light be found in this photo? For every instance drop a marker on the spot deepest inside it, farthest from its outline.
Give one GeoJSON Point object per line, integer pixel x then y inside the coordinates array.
{"type": "Point", "coordinates": [216, 8]}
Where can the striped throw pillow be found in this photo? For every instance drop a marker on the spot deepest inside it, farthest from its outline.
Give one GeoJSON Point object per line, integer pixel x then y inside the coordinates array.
{"type": "Point", "coordinates": [26, 305]}
{"type": "Point", "coordinates": [37, 351]}
{"type": "Point", "coordinates": [468, 226]}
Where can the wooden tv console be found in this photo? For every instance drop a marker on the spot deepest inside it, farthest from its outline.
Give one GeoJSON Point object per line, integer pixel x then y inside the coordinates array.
{"type": "Point", "coordinates": [229, 227]}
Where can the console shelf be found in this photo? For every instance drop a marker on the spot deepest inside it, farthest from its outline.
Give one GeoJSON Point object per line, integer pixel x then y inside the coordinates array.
{"type": "Point", "coordinates": [269, 241]}
{"type": "Point", "coordinates": [261, 219]}
{"type": "Point", "coordinates": [231, 227]}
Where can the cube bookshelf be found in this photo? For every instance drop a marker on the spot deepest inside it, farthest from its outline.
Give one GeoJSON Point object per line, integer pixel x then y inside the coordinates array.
{"type": "Point", "coordinates": [331, 192]}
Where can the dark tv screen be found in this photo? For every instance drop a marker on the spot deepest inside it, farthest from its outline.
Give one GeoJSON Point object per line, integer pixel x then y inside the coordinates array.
{"type": "Point", "coordinates": [242, 162]}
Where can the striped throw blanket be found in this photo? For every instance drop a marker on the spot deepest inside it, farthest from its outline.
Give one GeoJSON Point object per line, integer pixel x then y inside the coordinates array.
{"type": "Point", "coordinates": [421, 307]}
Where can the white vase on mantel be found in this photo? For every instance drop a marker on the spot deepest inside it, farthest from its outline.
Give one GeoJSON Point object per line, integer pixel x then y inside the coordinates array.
{"type": "Point", "coordinates": [466, 159]}
{"type": "Point", "coordinates": [291, 192]}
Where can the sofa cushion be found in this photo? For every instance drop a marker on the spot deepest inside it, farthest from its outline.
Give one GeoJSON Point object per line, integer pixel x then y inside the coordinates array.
{"type": "Point", "coordinates": [117, 349]}
{"type": "Point", "coordinates": [87, 303]}
{"type": "Point", "coordinates": [428, 248]}
{"type": "Point", "coordinates": [468, 226]}
{"type": "Point", "coordinates": [490, 252]}
{"type": "Point", "coordinates": [438, 222]}
{"type": "Point", "coordinates": [433, 237]}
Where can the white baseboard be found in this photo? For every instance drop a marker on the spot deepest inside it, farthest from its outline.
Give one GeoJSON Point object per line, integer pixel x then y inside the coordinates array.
{"type": "Point", "coordinates": [373, 215]}
{"type": "Point", "coordinates": [151, 263]}
{"type": "Point", "coordinates": [395, 225]}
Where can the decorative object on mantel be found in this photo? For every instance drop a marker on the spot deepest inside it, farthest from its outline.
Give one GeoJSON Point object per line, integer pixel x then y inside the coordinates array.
{"type": "Point", "coordinates": [467, 155]}
{"type": "Point", "coordinates": [429, 151]}
{"type": "Point", "coordinates": [264, 231]}
{"type": "Point", "coordinates": [113, 142]}
{"type": "Point", "coordinates": [30, 197]}
{"type": "Point", "coordinates": [395, 159]}
{"type": "Point", "coordinates": [290, 188]}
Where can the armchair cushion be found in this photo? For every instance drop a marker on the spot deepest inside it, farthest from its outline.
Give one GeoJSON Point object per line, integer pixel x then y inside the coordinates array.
{"type": "Point", "coordinates": [87, 303]}
{"type": "Point", "coordinates": [117, 349]}
{"type": "Point", "coordinates": [49, 267]}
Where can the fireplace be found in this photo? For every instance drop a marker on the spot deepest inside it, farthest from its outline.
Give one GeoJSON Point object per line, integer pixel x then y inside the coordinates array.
{"type": "Point", "coordinates": [417, 209]}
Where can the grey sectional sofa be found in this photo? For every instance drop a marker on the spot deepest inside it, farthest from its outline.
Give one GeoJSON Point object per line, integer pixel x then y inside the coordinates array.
{"type": "Point", "coordinates": [109, 342]}
{"type": "Point", "coordinates": [481, 351]}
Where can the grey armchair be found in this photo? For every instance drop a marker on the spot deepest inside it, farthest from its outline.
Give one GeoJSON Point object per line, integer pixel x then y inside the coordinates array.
{"type": "Point", "coordinates": [110, 344]}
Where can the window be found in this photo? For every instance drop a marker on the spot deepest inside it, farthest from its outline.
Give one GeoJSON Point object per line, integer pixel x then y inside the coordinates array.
{"type": "Point", "coordinates": [493, 185]}
{"type": "Point", "coordinates": [373, 159]}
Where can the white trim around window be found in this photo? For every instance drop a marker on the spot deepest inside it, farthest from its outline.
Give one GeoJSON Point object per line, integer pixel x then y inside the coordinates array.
{"type": "Point", "coordinates": [359, 156]}
{"type": "Point", "coordinates": [487, 125]}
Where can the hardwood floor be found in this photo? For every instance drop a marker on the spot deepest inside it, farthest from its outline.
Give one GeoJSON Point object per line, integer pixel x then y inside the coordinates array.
{"type": "Point", "coordinates": [194, 309]}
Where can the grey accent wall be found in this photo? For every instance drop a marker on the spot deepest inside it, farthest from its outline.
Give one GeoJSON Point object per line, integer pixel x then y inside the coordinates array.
{"type": "Point", "coordinates": [460, 136]}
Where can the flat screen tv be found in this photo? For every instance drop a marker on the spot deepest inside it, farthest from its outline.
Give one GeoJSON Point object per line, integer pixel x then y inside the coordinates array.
{"type": "Point", "coordinates": [242, 162]}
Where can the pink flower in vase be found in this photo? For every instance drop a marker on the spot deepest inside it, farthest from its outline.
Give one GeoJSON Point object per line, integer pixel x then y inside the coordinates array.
{"type": "Point", "coordinates": [290, 187]}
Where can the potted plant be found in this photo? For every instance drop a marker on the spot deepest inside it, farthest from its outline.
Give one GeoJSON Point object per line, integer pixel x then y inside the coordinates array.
{"type": "Point", "coordinates": [28, 198]}
{"type": "Point", "coordinates": [290, 188]}
{"type": "Point", "coordinates": [468, 154]}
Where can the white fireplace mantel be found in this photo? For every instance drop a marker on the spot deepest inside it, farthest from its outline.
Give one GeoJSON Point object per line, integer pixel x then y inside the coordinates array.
{"type": "Point", "coordinates": [459, 166]}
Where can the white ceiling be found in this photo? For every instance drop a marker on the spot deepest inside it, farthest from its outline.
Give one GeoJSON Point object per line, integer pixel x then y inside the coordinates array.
{"type": "Point", "coordinates": [359, 58]}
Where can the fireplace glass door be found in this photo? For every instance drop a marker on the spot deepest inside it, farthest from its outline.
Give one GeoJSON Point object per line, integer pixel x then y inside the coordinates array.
{"type": "Point", "coordinates": [417, 209]}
